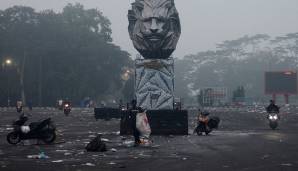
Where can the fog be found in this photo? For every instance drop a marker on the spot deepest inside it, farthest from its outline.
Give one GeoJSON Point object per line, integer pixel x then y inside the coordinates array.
{"type": "Point", "coordinates": [204, 22]}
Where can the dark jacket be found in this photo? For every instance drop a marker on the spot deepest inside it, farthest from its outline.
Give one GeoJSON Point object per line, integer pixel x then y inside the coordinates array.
{"type": "Point", "coordinates": [272, 108]}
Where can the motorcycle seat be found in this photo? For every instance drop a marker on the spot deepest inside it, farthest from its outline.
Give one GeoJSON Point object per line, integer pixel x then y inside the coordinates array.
{"type": "Point", "coordinates": [33, 125]}
{"type": "Point", "coordinates": [39, 125]}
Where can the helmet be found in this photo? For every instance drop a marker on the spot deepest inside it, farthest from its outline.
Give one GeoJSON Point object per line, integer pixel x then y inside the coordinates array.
{"type": "Point", "coordinates": [205, 113]}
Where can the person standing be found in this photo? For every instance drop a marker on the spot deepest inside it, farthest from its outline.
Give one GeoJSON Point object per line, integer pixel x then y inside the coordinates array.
{"type": "Point", "coordinates": [30, 105]}
{"type": "Point", "coordinates": [133, 118]}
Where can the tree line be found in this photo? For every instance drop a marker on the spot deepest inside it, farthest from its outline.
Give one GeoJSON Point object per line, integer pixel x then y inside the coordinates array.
{"type": "Point", "coordinates": [239, 62]}
{"type": "Point", "coordinates": [68, 54]}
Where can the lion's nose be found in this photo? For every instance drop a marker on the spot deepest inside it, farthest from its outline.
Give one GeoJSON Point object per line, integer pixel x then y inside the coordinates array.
{"type": "Point", "coordinates": [153, 30]}
{"type": "Point", "coordinates": [153, 27]}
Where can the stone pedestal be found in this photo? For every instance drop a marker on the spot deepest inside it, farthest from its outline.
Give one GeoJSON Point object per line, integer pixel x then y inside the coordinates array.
{"type": "Point", "coordinates": [162, 122]}
{"type": "Point", "coordinates": [154, 83]}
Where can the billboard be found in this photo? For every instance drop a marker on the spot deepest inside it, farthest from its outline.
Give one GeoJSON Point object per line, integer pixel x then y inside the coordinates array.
{"type": "Point", "coordinates": [281, 82]}
{"type": "Point", "coordinates": [213, 96]}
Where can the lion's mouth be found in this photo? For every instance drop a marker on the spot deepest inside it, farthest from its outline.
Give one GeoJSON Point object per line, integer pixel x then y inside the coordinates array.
{"type": "Point", "coordinates": [154, 38]}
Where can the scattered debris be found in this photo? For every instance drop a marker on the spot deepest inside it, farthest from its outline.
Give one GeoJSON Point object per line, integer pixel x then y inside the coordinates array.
{"type": "Point", "coordinates": [144, 155]}
{"type": "Point", "coordinates": [41, 155]}
{"type": "Point", "coordinates": [105, 140]}
{"type": "Point", "coordinates": [113, 150]}
{"type": "Point", "coordinates": [92, 136]}
{"type": "Point", "coordinates": [128, 143]}
{"type": "Point", "coordinates": [112, 163]}
{"type": "Point", "coordinates": [62, 150]}
{"type": "Point", "coordinates": [265, 156]}
{"type": "Point", "coordinates": [155, 146]}
{"type": "Point", "coordinates": [89, 164]}
{"type": "Point", "coordinates": [116, 133]}
{"type": "Point", "coordinates": [80, 153]}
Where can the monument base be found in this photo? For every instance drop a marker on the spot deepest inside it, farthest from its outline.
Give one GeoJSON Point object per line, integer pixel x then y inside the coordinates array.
{"type": "Point", "coordinates": [154, 83]}
{"type": "Point", "coordinates": [107, 113]}
{"type": "Point", "coordinates": [162, 122]}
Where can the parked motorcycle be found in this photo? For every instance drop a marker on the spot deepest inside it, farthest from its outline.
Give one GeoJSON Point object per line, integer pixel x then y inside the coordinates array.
{"type": "Point", "coordinates": [44, 130]}
{"type": "Point", "coordinates": [273, 120]}
{"type": "Point", "coordinates": [208, 126]}
{"type": "Point", "coordinates": [66, 108]}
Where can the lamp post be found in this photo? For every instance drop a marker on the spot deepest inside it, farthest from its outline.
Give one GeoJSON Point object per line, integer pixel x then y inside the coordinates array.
{"type": "Point", "coordinates": [8, 63]}
{"type": "Point", "coordinates": [126, 74]}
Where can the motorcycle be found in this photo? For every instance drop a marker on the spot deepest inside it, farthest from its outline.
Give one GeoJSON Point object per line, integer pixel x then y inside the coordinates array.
{"type": "Point", "coordinates": [273, 120]}
{"type": "Point", "coordinates": [66, 108]}
{"type": "Point", "coordinates": [44, 130]}
{"type": "Point", "coordinates": [208, 126]}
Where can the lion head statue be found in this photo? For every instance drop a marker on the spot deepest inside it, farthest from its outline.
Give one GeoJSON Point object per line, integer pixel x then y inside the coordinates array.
{"type": "Point", "coordinates": [154, 28]}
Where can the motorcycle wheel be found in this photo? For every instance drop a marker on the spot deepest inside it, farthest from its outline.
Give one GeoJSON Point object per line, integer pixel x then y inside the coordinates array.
{"type": "Point", "coordinates": [49, 138]}
{"type": "Point", "coordinates": [66, 112]}
{"type": "Point", "coordinates": [273, 125]}
{"type": "Point", "coordinates": [13, 138]}
{"type": "Point", "coordinates": [199, 133]}
{"type": "Point", "coordinates": [207, 132]}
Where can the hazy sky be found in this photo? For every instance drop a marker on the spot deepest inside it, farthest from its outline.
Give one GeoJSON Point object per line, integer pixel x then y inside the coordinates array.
{"type": "Point", "coordinates": [204, 22]}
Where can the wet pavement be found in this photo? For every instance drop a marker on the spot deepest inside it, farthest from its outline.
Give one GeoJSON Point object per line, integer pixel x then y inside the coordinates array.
{"type": "Point", "coordinates": [243, 141]}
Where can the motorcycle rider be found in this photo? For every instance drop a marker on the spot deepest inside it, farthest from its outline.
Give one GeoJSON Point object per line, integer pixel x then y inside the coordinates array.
{"type": "Point", "coordinates": [66, 101]}
{"type": "Point", "coordinates": [19, 106]}
{"type": "Point", "coordinates": [272, 107]}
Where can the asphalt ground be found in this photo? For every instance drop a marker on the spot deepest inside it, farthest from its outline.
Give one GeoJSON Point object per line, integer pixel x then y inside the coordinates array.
{"type": "Point", "coordinates": [243, 141]}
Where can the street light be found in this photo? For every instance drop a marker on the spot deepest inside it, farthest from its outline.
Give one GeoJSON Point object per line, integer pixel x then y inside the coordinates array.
{"type": "Point", "coordinates": [7, 62]}
{"type": "Point", "coordinates": [126, 74]}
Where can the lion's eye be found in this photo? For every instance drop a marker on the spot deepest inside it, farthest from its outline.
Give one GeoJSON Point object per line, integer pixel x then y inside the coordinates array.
{"type": "Point", "coordinates": [160, 20]}
{"type": "Point", "coordinates": [147, 20]}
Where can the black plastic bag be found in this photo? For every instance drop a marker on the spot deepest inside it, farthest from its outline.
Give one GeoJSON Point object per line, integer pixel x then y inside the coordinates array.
{"type": "Point", "coordinates": [96, 145]}
{"type": "Point", "coordinates": [213, 122]}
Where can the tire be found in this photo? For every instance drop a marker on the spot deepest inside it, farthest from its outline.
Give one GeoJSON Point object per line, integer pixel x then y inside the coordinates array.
{"type": "Point", "coordinates": [207, 132]}
{"type": "Point", "coordinates": [66, 112]}
{"type": "Point", "coordinates": [13, 138]}
{"type": "Point", "coordinates": [50, 137]}
{"type": "Point", "coordinates": [273, 125]}
{"type": "Point", "coordinates": [199, 133]}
